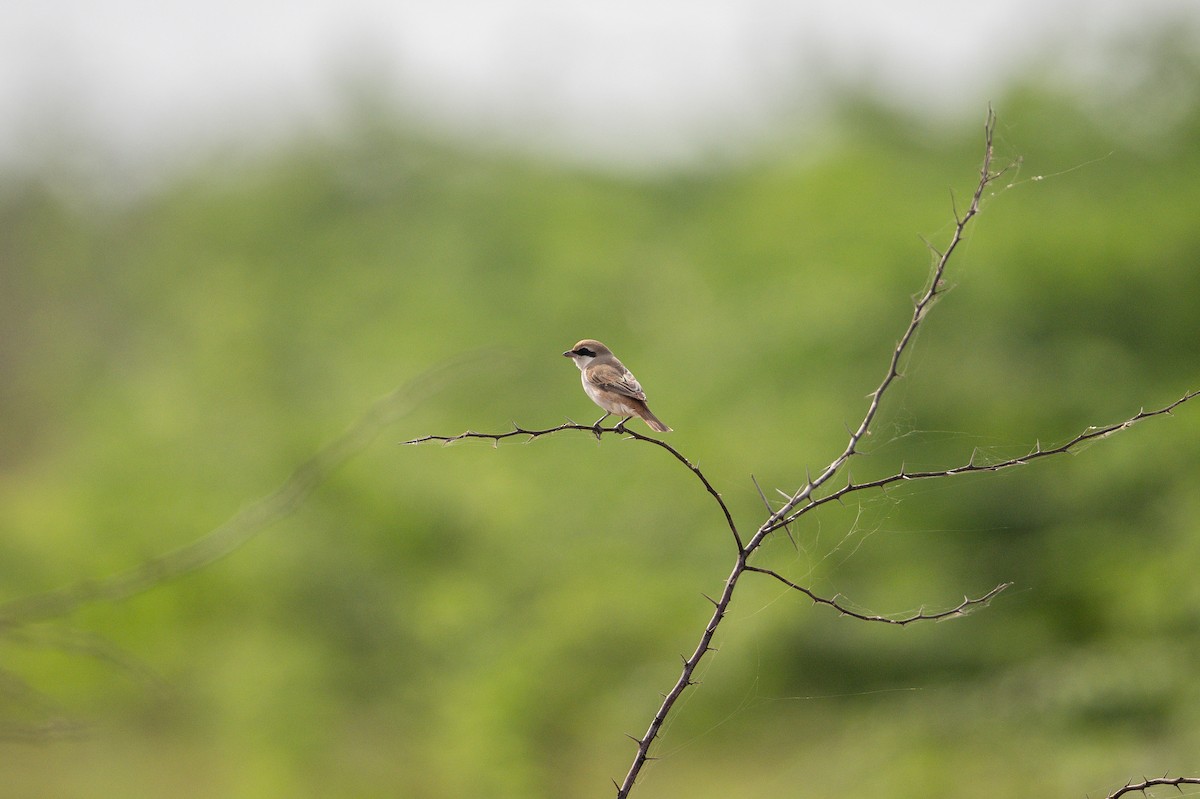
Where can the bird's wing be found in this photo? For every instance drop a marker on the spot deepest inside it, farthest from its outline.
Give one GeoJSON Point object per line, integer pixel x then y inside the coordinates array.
{"type": "Point", "coordinates": [613, 378]}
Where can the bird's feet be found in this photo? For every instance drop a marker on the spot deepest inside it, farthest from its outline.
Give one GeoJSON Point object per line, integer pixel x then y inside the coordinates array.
{"type": "Point", "coordinates": [596, 428]}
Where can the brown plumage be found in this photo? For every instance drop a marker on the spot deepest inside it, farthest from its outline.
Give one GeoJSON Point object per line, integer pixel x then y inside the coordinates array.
{"type": "Point", "coordinates": [610, 385]}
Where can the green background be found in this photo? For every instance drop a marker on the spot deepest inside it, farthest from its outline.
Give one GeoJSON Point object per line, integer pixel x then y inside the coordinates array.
{"type": "Point", "coordinates": [490, 622]}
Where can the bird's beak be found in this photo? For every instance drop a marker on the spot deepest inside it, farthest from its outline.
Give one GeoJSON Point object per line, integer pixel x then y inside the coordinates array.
{"type": "Point", "coordinates": [568, 354]}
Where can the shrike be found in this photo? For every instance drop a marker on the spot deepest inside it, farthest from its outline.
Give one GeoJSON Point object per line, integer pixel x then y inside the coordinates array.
{"type": "Point", "coordinates": [611, 385]}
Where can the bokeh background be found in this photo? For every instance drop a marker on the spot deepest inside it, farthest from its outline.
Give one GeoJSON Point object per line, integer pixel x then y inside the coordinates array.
{"type": "Point", "coordinates": [227, 230]}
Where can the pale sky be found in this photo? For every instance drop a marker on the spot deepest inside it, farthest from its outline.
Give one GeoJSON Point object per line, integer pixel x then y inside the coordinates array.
{"type": "Point", "coordinates": [620, 80]}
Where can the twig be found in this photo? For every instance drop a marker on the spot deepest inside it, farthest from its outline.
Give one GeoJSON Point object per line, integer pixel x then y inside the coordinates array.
{"type": "Point", "coordinates": [920, 308]}
{"type": "Point", "coordinates": [516, 431]}
{"type": "Point", "coordinates": [619, 429]}
{"type": "Point", "coordinates": [1140, 787]}
{"type": "Point", "coordinates": [1037, 453]}
{"type": "Point", "coordinates": [42, 732]}
{"type": "Point", "coordinates": [242, 527]}
{"type": "Point", "coordinates": [960, 610]}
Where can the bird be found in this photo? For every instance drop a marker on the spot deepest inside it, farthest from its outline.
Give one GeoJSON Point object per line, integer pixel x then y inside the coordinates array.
{"type": "Point", "coordinates": [611, 385]}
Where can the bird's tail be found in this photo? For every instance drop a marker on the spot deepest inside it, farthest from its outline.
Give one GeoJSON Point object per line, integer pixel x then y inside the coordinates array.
{"type": "Point", "coordinates": [654, 422]}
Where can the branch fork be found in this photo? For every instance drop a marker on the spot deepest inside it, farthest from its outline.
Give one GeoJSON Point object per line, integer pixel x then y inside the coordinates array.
{"type": "Point", "coordinates": [805, 499]}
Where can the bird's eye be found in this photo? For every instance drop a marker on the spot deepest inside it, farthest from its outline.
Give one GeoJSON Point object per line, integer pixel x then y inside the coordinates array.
{"type": "Point", "coordinates": [586, 352]}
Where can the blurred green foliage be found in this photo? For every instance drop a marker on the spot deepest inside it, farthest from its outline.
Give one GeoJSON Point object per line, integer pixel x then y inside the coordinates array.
{"type": "Point", "coordinates": [489, 622]}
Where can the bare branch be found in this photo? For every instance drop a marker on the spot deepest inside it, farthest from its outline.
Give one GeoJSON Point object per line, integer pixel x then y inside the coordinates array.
{"type": "Point", "coordinates": [619, 429]}
{"type": "Point", "coordinates": [516, 431]}
{"type": "Point", "coordinates": [685, 680]}
{"type": "Point", "coordinates": [242, 527]}
{"type": "Point", "coordinates": [42, 732]}
{"type": "Point", "coordinates": [781, 516]}
{"type": "Point", "coordinates": [971, 467]}
{"type": "Point", "coordinates": [1140, 787]}
{"type": "Point", "coordinates": [777, 519]}
{"type": "Point", "coordinates": [803, 500]}
{"type": "Point", "coordinates": [960, 610]}
{"type": "Point", "coordinates": [84, 642]}
{"type": "Point", "coordinates": [921, 306]}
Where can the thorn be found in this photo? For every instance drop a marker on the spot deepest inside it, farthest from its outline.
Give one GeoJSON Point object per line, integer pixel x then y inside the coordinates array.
{"type": "Point", "coordinates": [761, 495]}
{"type": "Point", "coordinates": [710, 599]}
{"type": "Point", "coordinates": [635, 739]}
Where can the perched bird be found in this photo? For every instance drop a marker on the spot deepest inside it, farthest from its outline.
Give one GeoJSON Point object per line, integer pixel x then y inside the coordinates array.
{"type": "Point", "coordinates": [611, 385]}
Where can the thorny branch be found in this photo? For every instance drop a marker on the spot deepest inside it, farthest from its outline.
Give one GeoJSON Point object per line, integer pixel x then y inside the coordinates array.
{"type": "Point", "coordinates": [1140, 787]}
{"type": "Point", "coordinates": [779, 517]}
{"type": "Point", "coordinates": [921, 307]}
{"type": "Point", "coordinates": [1038, 452]}
{"type": "Point", "coordinates": [962, 609]}
{"type": "Point", "coordinates": [517, 430]}
{"type": "Point", "coordinates": [803, 500]}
